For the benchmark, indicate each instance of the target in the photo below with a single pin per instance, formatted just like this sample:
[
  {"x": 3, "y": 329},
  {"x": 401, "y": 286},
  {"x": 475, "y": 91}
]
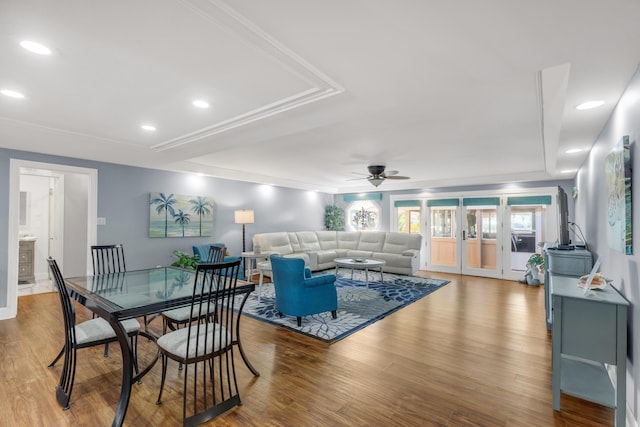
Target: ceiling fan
[{"x": 378, "y": 175}]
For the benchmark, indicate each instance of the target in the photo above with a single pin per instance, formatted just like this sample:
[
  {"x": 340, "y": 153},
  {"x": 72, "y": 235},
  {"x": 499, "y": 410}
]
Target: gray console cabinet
[
  {"x": 571, "y": 263},
  {"x": 589, "y": 332}
]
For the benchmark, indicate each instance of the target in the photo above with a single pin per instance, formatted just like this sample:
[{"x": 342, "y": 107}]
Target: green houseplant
[
  {"x": 537, "y": 261},
  {"x": 535, "y": 264},
  {"x": 184, "y": 260},
  {"x": 334, "y": 218}
]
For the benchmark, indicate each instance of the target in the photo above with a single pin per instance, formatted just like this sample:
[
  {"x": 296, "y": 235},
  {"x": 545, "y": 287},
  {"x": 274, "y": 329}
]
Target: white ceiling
[{"x": 305, "y": 93}]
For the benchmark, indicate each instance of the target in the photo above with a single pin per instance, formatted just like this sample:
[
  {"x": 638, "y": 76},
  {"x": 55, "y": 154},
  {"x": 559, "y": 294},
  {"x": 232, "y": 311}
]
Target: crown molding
[{"x": 321, "y": 85}]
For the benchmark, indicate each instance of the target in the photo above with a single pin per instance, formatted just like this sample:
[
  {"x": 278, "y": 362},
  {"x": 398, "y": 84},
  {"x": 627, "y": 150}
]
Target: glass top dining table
[{"x": 120, "y": 296}]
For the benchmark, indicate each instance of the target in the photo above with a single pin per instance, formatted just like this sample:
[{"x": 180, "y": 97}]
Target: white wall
[
  {"x": 591, "y": 216},
  {"x": 76, "y": 210}
]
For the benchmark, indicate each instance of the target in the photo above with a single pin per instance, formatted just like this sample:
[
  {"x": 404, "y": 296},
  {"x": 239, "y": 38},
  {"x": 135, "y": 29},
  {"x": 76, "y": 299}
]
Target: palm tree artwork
[
  {"x": 200, "y": 206},
  {"x": 164, "y": 203},
  {"x": 169, "y": 215},
  {"x": 182, "y": 219}
]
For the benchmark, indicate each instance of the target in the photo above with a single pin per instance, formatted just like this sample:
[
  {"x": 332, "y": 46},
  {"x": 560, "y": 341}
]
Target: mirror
[{"x": 24, "y": 209}]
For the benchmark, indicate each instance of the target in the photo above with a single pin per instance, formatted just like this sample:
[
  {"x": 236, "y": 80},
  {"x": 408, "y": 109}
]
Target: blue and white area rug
[{"x": 358, "y": 306}]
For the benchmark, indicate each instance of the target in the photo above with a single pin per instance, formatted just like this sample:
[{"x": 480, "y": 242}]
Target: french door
[
  {"x": 489, "y": 236},
  {"x": 464, "y": 236},
  {"x": 481, "y": 239}
]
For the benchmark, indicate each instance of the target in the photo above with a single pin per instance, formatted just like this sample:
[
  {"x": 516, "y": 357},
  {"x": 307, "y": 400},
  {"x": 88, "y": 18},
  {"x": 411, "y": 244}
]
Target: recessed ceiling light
[
  {"x": 568, "y": 171},
  {"x": 200, "y": 103},
  {"x": 589, "y": 105},
  {"x": 573, "y": 151},
  {"x": 11, "y": 93},
  {"x": 150, "y": 128},
  {"x": 34, "y": 47}
]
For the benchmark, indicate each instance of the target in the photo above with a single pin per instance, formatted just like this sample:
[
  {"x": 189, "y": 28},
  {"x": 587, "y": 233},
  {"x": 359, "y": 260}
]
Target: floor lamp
[{"x": 244, "y": 216}]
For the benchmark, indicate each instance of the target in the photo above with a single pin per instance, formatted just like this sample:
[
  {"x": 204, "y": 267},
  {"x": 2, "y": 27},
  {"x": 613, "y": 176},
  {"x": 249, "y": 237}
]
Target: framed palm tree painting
[
  {"x": 179, "y": 215},
  {"x": 619, "y": 203}
]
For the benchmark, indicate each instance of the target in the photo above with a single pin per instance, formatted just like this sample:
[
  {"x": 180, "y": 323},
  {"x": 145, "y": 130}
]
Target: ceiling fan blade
[
  {"x": 398, "y": 177},
  {"x": 390, "y": 173},
  {"x": 357, "y": 179}
]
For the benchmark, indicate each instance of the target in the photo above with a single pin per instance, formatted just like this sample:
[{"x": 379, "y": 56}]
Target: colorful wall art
[
  {"x": 618, "y": 180},
  {"x": 178, "y": 215}
]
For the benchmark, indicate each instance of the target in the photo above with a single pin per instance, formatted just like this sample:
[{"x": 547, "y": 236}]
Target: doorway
[
  {"x": 481, "y": 237},
  {"x": 40, "y": 230},
  {"x": 464, "y": 237},
  {"x": 482, "y": 233},
  {"x": 77, "y": 223}
]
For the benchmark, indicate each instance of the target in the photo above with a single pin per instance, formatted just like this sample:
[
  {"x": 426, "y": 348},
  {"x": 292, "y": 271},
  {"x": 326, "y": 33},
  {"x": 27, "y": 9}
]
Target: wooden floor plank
[{"x": 474, "y": 353}]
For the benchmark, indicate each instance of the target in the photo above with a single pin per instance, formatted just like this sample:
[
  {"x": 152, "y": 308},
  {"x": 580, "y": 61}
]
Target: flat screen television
[{"x": 563, "y": 218}]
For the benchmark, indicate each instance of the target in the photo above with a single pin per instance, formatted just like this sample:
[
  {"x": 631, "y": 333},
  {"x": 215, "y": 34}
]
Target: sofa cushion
[
  {"x": 326, "y": 256},
  {"x": 348, "y": 239},
  {"x": 301, "y": 255},
  {"x": 295, "y": 243},
  {"x": 359, "y": 254},
  {"x": 393, "y": 260},
  {"x": 328, "y": 239},
  {"x": 371, "y": 241},
  {"x": 397, "y": 243},
  {"x": 274, "y": 242},
  {"x": 309, "y": 241}
]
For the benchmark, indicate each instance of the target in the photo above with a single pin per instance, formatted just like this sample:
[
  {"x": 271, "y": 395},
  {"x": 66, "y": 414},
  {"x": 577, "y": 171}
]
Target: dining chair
[
  {"x": 108, "y": 259},
  {"x": 89, "y": 333},
  {"x": 204, "y": 347},
  {"x": 173, "y": 319}
]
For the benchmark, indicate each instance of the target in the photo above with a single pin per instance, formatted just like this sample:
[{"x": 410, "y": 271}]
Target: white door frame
[{"x": 11, "y": 310}]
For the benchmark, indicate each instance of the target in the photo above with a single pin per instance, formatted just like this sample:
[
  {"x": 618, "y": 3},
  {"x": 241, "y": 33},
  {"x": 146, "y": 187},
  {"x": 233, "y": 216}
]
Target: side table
[
  {"x": 250, "y": 260},
  {"x": 264, "y": 267}
]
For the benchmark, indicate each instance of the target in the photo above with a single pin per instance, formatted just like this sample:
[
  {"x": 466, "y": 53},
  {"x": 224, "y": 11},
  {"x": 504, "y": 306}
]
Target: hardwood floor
[{"x": 474, "y": 353}]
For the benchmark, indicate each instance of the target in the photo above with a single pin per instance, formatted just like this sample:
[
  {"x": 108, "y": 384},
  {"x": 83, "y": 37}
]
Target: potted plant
[
  {"x": 186, "y": 261},
  {"x": 334, "y": 218},
  {"x": 535, "y": 265}
]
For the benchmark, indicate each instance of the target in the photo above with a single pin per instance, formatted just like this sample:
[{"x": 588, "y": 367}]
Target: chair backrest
[
  {"x": 216, "y": 254},
  {"x": 214, "y": 302},
  {"x": 68, "y": 309},
  {"x": 286, "y": 270},
  {"x": 108, "y": 259}
]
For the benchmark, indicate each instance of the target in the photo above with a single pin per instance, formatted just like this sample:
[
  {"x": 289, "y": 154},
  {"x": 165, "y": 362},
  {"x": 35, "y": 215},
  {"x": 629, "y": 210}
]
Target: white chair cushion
[
  {"x": 99, "y": 329},
  {"x": 176, "y": 342},
  {"x": 182, "y": 314}
]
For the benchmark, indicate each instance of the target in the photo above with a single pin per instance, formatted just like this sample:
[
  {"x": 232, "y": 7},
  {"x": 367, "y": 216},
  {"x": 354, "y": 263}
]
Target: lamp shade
[{"x": 244, "y": 216}]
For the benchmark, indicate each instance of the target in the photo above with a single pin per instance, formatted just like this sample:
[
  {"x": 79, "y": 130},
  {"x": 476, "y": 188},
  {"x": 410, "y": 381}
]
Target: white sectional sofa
[{"x": 401, "y": 251}]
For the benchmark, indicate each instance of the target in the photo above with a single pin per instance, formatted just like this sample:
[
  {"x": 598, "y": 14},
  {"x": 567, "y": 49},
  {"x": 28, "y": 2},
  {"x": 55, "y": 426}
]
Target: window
[
  {"x": 489, "y": 224},
  {"x": 443, "y": 222},
  {"x": 408, "y": 220},
  {"x": 363, "y": 216}
]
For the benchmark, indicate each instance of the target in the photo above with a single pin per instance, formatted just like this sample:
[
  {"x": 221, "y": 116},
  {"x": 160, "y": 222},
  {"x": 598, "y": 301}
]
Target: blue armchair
[
  {"x": 203, "y": 252},
  {"x": 297, "y": 293}
]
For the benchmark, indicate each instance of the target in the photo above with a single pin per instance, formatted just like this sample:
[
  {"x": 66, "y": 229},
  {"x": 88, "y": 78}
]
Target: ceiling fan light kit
[
  {"x": 378, "y": 175},
  {"x": 376, "y": 181}
]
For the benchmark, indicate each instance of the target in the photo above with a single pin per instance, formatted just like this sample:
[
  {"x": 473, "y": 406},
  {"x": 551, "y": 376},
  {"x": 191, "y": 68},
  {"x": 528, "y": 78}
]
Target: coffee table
[{"x": 361, "y": 264}]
